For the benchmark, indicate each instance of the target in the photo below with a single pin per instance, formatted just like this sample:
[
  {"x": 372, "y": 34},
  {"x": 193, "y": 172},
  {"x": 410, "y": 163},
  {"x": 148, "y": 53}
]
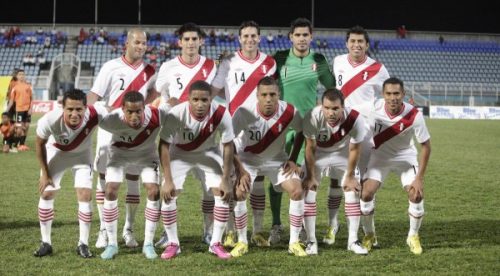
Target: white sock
[
  {"x": 296, "y": 214},
  {"x": 132, "y": 201},
  {"x": 367, "y": 218},
  {"x": 240, "y": 220},
  {"x": 353, "y": 215},
  {"x": 416, "y": 214},
  {"x": 230, "y": 220},
  {"x": 207, "y": 208},
  {"x": 310, "y": 215},
  {"x": 84, "y": 219},
  {"x": 221, "y": 214},
  {"x": 111, "y": 214},
  {"x": 169, "y": 216},
  {"x": 334, "y": 199},
  {"x": 258, "y": 204},
  {"x": 99, "y": 200},
  {"x": 152, "y": 215},
  {"x": 46, "y": 216}
]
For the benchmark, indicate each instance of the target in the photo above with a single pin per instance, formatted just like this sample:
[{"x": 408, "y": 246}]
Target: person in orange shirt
[
  {"x": 12, "y": 83},
  {"x": 21, "y": 95},
  {"x": 7, "y": 130}
]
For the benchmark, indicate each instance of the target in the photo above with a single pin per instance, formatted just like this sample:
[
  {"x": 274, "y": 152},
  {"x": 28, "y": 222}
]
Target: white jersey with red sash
[
  {"x": 117, "y": 77},
  {"x": 138, "y": 141},
  {"x": 393, "y": 134},
  {"x": 62, "y": 138},
  {"x": 263, "y": 138},
  {"x": 351, "y": 128},
  {"x": 191, "y": 134},
  {"x": 239, "y": 77},
  {"x": 175, "y": 76},
  {"x": 360, "y": 82}
]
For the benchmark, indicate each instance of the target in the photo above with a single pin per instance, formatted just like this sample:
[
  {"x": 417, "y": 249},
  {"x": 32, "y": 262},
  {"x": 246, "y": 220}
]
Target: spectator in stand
[
  {"x": 212, "y": 37},
  {"x": 47, "y": 42},
  {"x": 231, "y": 37},
  {"x": 402, "y": 32},
  {"x": 82, "y": 36},
  {"x": 270, "y": 38},
  {"x": 39, "y": 31},
  {"x": 17, "y": 31},
  {"x": 3, "y": 31},
  {"x": 441, "y": 40},
  {"x": 324, "y": 44}
]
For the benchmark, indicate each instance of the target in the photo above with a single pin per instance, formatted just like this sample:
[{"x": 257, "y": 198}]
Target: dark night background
[{"x": 473, "y": 16}]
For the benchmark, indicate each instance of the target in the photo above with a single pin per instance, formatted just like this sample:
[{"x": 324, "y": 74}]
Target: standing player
[
  {"x": 12, "y": 83},
  {"x": 333, "y": 144},
  {"x": 188, "y": 142},
  {"x": 116, "y": 78},
  {"x": 64, "y": 141},
  {"x": 237, "y": 77},
  {"x": 393, "y": 124},
  {"x": 134, "y": 128},
  {"x": 21, "y": 95},
  {"x": 299, "y": 70},
  {"x": 360, "y": 79},
  {"x": 174, "y": 80},
  {"x": 261, "y": 150},
  {"x": 7, "y": 131}
]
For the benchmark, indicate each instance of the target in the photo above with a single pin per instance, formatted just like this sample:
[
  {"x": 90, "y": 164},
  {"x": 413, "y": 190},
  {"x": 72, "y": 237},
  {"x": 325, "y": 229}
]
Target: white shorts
[
  {"x": 207, "y": 167},
  {"x": 146, "y": 164},
  {"x": 332, "y": 165},
  {"x": 273, "y": 170},
  {"x": 101, "y": 153},
  {"x": 81, "y": 165},
  {"x": 378, "y": 169}
]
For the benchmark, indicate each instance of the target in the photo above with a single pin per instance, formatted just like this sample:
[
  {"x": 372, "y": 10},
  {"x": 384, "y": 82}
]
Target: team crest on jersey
[
  {"x": 280, "y": 127},
  {"x": 314, "y": 67},
  {"x": 148, "y": 132},
  {"x": 365, "y": 75},
  {"x": 204, "y": 71},
  {"x": 145, "y": 76},
  {"x": 264, "y": 69},
  {"x": 87, "y": 131},
  {"x": 211, "y": 127}
]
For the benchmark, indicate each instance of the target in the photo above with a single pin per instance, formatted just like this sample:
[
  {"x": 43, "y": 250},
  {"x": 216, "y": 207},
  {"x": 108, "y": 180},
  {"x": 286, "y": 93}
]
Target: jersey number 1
[{"x": 241, "y": 78}]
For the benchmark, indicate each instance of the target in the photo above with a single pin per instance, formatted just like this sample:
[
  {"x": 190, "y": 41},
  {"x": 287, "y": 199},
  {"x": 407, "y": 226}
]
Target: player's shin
[
  {"x": 110, "y": 214},
  {"x": 46, "y": 216},
  {"x": 221, "y": 214},
  {"x": 296, "y": 215},
  {"x": 152, "y": 215},
  {"x": 310, "y": 215},
  {"x": 84, "y": 219},
  {"x": 169, "y": 216},
  {"x": 240, "y": 220},
  {"x": 353, "y": 215}
]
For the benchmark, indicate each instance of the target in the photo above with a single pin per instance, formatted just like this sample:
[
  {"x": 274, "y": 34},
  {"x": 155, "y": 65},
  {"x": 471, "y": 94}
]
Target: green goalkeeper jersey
[{"x": 299, "y": 76}]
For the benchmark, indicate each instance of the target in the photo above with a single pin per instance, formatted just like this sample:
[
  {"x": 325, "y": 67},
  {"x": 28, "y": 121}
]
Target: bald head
[{"x": 136, "y": 45}]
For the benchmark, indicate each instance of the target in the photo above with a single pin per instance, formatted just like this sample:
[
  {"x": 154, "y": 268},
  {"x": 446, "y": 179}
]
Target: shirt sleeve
[
  {"x": 297, "y": 121},
  {"x": 220, "y": 78},
  {"x": 169, "y": 128},
  {"x": 421, "y": 132},
  {"x": 358, "y": 131},
  {"x": 161, "y": 83},
  {"x": 227, "y": 134},
  {"x": 310, "y": 126},
  {"x": 43, "y": 127},
  {"x": 102, "y": 82},
  {"x": 325, "y": 76}
]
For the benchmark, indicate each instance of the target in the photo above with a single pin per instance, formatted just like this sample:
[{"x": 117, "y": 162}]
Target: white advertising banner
[{"x": 464, "y": 112}]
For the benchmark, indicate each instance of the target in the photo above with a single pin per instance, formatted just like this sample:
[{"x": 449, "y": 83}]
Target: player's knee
[
  {"x": 112, "y": 190},
  {"x": 153, "y": 192},
  {"x": 296, "y": 193},
  {"x": 367, "y": 207},
  {"x": 416, "y": 209},
  {"x": 48, "y": 195},
  {"x": 239, "y": 194},
  {"x": 415, "y": 197}
]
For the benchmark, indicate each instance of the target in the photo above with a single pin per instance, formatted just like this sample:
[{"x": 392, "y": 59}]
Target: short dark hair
[
  {"x": 75, "y": 94},
  {"x": 357, "y": 30},
  {"x": 200, "y": 85},
  {"x": 190, "y": 27},
  {"x": 394, "y": 80},
  {"x": 301, "y": 22},
  {"x": 249, "y": 23},
  {"x": 267, "y": 80},
  {"x": 333, "y": 94},
  {"x": 133, "y": 97}
]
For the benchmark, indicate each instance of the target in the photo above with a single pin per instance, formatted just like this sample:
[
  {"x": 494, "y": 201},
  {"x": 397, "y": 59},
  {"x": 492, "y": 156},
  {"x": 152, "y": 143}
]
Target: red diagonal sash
[
  {"x": 136, "y": 85},
  {"x": 274, "y": 132},
  {"x": 86, "y": 131},
  {"x": 154, "y": 122},
  {"x": 396, "y": 128},
  {"x": 209, "y": 128},
  {"x": 343, "y": 130},
  {"x": 360, "y": 78},
  {"x": 250, "y": 84},
  {"x": 202, "y": 74}
]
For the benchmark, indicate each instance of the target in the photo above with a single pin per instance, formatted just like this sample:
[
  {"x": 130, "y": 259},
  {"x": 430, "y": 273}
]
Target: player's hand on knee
[
  {"x": 351, "y": 184},
  {"x": 289, "y": 168},
  {"x": 167, "y": 191},
  {"x": 44, "y": 182},
  {"x": 310, "y": 183},
  {"x": 416, "y": 190}
]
